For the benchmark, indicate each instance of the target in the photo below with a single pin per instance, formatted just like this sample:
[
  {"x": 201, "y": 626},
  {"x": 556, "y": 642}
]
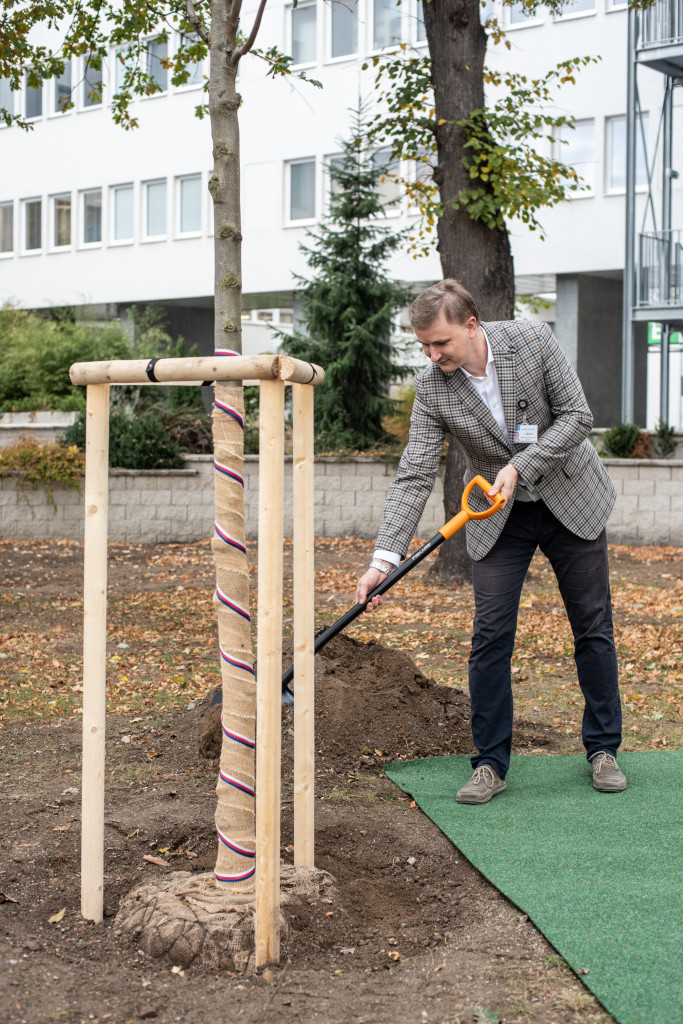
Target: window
[
  {"x": 616, "y": 152},
  {"x": 157, "y": 52},
  {"x": 421, "y": 34},
  {"x": 518, "y": 14},
  {"x": 578, "y": 7},
  {"x": 92, "y": 84},
  {"x": 122, "y": 206},
  {"x": 333, "y": 187},
  {"x": 386, "y": 23},
  {"x": 302, "y": 190},
  {"x": 92, "y": 217},
  {"x": 34, "y": 101},
  {"x": 33, "y": 224},
  {"x": 388, "y": 189},
  {"x": 190, "y": 202},
  {"x": 578, "y": 150},
  {"x": 63, "y": 89},
  {"x": 195, "y": 70},
  {"x": 422, "y": 173},
  {"x": 124, "y": 60},
  {"x": 6, "y": 227},
  {"x": 61, "y": 221},
  {"x": 304, "y": 29},
  {"x": 344, "y": 29},
  {"x": 155, "y": 209},
  {"x": 6, "y": 96}
]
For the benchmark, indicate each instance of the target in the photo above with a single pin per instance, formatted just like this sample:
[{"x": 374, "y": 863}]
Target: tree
[
  {"x": 349, "y": 305},
  {"x": 487, "y": 169},
  {"x": 90, "y": 28}
]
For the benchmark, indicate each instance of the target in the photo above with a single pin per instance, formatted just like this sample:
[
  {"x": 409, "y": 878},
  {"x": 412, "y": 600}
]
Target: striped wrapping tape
[
  {"x": 237, "y": 736},
  {"x": 232, "y": 541},
  {"x": 229, "y": 410},
  {"x": 232, "y": 605},
  {"x": 226, "y": 471},
  {"x": 243, "y": 852},
  {"x": 230, "y": 780},
  {"x": 226, "y": 352},
  {"x": 235, "y": 662}
]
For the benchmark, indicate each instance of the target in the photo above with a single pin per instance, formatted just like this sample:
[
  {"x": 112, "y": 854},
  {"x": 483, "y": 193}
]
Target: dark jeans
[{"x": 583, "y": 577}]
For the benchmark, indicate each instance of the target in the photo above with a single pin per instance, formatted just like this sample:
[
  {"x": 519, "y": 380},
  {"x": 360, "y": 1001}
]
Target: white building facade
[{"x": 92, "y": 215}]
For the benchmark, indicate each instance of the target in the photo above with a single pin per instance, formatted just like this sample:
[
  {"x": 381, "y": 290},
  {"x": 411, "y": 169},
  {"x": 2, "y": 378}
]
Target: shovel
[{"x": 443, "y": 534}]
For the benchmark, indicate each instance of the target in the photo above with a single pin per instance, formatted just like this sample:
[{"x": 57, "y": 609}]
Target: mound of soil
[{"x": 372, "y": 704}]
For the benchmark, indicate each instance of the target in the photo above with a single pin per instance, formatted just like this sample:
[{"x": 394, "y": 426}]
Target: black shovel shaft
[{"x": 358, "y": 609}]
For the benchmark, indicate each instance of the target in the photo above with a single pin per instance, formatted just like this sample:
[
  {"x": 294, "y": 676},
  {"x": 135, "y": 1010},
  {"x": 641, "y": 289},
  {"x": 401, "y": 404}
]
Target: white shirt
[{"x": 488, "y": 389}]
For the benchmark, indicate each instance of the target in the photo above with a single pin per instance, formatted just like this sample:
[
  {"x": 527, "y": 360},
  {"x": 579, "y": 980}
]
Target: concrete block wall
[
  {"x": 168, "y": 506},
  {"x": 649, "y": 506}
]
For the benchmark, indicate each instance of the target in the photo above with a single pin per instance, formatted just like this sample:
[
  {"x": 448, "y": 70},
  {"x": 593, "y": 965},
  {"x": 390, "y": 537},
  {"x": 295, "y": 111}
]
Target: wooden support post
[
  {"x": 304, "y": 626},
  {"x": 269, "y": 670},
  {"x": 94, "y": 649}
]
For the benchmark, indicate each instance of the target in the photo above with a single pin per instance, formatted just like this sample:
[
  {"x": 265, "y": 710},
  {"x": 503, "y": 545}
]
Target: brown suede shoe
[
  {"x": 607, "y": 777},
  {"x": 483, "y": 785}
]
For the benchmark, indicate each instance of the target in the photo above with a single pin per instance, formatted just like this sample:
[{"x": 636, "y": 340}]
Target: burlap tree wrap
[{"x": 235, "y": 814}]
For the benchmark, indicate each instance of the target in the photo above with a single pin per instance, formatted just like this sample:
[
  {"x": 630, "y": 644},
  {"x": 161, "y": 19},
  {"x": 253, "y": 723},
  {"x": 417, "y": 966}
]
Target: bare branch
[
  {"x": 246, "y": 47},
  {"x": 196, "y": 22}
]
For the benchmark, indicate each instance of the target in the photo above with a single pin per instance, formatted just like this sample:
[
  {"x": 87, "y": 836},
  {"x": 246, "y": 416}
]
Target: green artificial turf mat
[{"x": 600, "y": 874}]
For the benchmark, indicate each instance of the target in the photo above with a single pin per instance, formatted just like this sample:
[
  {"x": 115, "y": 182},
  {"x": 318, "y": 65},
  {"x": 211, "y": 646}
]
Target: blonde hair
[{"x": 447, "y": 297}]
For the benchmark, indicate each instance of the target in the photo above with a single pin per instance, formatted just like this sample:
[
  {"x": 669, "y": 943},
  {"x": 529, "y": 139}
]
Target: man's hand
[
  {"x": 368, "y": 582},
  {"x": 504, "y": 484}
]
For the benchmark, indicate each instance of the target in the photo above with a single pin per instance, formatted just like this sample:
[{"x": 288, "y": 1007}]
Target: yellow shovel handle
[{"x": 454, "y": 524}]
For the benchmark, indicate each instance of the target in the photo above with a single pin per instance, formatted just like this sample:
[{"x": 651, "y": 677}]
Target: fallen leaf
[
  {"x": 583, "y": 970},
  {"x": 56, "y": 918},
  {"x": 394, "y": 955},
  {"x": 62, "y": 828},
  {"x": 413, "y": 805},
  {"x": 352, "y": 949},
  {"x": 159, "y": 861},
  {"x": 4, "y": 897},
  {"x": 330, "y": 913}
]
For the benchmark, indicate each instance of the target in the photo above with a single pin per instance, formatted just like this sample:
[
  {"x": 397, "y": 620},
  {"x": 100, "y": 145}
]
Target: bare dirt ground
[{"x": 416, "y": 935}]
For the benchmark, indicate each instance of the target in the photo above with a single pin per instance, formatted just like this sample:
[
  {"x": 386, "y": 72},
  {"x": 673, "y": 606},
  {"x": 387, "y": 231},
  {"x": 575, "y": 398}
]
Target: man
[{"x": 512, "y": 400}]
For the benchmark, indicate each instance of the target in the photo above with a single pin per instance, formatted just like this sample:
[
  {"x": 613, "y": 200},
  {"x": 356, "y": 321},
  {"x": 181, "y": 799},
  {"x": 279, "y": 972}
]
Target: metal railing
[
  {"x": 661, "y": 24},
  {"x": 659, "y": 271}
]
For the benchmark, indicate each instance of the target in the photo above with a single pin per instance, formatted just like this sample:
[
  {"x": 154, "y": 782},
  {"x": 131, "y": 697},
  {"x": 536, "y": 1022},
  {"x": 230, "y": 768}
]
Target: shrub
[
  {"x": 34, "y": 462},
  {"x": 664, "y": 440},
  {"x": 36, "y": 353},
  {"x": 620, "y": 440},
  {"x": 135, "y": 442},
  {"x": 191, "y": 430}
]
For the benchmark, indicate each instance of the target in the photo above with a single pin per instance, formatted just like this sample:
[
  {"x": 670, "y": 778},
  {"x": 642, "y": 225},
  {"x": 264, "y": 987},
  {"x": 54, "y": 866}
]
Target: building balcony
[
  {"x": 659, "y": 276},
  {"x": 660, "y": 37}
]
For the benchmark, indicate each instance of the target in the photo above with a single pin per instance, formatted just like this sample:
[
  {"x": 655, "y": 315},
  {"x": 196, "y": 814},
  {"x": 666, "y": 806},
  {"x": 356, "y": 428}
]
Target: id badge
[{"x": 526, "y": 433}]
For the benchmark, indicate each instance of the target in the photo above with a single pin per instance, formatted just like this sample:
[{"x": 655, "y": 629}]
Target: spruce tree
[{"x": 349, "y": 304}]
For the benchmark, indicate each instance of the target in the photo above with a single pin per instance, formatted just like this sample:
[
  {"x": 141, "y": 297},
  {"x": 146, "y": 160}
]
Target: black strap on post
[{"x": 149, "y": 370}]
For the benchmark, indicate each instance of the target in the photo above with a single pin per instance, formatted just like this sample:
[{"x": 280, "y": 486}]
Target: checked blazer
[{"x": 562, "y": 466}]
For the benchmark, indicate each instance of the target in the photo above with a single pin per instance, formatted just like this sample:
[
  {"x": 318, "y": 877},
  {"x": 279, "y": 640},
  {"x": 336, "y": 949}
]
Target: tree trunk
[
  {"x": 235, "y": 817},
  {"x": 477, "y": 256}
]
